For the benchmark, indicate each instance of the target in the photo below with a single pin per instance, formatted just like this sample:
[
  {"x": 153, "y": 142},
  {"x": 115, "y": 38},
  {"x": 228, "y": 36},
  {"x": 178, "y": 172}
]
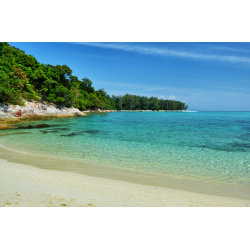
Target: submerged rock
[
  {"x": 73, "y": 134},
  {"x": 42, "y": 125},
  {"x": 26, "y": 127},
  {"x": 91, "y": 131}
]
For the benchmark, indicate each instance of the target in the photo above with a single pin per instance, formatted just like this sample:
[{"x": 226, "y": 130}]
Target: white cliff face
[{"x": 8, "y": 111}]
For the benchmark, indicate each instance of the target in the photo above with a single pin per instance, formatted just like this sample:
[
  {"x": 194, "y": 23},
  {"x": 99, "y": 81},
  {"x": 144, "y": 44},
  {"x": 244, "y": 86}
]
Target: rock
[
  {"x": 19, "y": 113},
  {"x": 5, "y": 115},
  {"x": 5, "y": 126},
  {"x": 2, "y": 114},
  {"x": 42, "y": 125},
  {"x": 26, "y": 127},
  {"x": 27, "y": 110},
  {"x": 32, "y": 115},
  {"x": 3, "y": 107},
  {"x": 43, "y": 107},
  {"x": 37, "y": 110}
]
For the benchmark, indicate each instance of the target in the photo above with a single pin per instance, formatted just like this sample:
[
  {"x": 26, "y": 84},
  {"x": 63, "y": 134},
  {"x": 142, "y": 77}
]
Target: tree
[
  {"x": 153, "y": 103},
  {"x": 118, "y": 101},
  {"x": 144, "y": 102},
  {"x": 3, "y": 45},
  {"x": 86, "y": 85},
  {"x": 26, "y": 60}
]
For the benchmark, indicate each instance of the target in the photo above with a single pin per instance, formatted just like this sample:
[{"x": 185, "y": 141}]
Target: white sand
[{"x": 27, "y": 186}]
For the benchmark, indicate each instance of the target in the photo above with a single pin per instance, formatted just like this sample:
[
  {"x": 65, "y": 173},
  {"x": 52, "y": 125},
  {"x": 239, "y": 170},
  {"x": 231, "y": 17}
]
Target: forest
[
  {"x": 133, "y": 102},
  {"x": 22, "y": 78}
]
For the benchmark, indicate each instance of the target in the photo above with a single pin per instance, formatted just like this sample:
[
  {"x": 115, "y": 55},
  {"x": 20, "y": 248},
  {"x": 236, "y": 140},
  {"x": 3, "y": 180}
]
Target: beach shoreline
[
  {"x": 159, "y": 185},
  {"x": 24, "y": 185}
]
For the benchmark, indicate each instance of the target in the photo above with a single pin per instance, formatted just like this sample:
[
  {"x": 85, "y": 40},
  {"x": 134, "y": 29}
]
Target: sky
[{"x": 206, "y": 76}]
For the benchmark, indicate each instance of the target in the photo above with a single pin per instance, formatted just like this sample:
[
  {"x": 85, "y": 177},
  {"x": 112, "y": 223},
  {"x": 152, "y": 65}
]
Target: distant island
[{"x": 23, "y": 78}]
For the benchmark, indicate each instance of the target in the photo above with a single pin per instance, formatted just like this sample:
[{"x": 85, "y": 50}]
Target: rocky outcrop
[
  {"x": 10, "y": 114},
  {"x": 35, "y": 109}
]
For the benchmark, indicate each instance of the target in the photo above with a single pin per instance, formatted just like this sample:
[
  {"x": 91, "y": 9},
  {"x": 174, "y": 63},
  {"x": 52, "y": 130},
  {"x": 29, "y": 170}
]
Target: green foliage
[
  {"x": 133, "y": 102},
  {"x": 2, "y": 47},
  {"x": 25, "y": 60},
  {"x": 23, "y": 77}
]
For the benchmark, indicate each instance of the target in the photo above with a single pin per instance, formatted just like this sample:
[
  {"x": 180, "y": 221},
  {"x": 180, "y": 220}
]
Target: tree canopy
[{"x": 134, "y": 102}]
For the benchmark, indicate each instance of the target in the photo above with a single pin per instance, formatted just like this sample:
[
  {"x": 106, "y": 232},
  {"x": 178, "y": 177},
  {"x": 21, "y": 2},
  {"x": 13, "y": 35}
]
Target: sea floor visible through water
[{"x": 207, "y": 152}]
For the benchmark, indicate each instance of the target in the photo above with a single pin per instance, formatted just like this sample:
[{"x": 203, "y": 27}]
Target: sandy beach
[{"x": 27, "y": 186}]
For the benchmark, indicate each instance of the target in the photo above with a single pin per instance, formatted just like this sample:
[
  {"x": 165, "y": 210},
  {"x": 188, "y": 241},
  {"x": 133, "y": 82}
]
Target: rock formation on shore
[{"x": 36, "y": 109}]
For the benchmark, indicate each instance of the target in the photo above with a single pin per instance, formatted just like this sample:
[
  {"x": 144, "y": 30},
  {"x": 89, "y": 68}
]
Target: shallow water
[{"x": 210, "y": 146}]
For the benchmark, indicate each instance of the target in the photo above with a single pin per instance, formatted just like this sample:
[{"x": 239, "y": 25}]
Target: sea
[{"x": 182, "y": 147}]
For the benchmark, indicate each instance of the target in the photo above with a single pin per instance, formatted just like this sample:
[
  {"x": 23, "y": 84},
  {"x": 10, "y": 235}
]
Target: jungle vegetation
[{"x": 22, "y": 78}]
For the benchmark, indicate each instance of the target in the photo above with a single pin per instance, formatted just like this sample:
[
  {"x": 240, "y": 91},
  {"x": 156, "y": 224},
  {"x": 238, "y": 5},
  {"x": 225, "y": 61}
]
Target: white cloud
[
  {"x": 172, "y": 97},
  {"x": 168, "y": 52},
  {"x": 162, "y": 95}
]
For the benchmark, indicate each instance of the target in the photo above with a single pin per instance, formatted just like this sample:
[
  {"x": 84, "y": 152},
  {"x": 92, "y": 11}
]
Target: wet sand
[{"x": 23, "y": 185}]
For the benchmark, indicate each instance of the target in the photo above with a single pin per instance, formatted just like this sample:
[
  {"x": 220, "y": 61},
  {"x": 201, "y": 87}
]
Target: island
[{"x": 31, "y": 89}]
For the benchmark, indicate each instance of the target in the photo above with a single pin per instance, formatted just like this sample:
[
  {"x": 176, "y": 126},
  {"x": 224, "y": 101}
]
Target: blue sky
[{"x": 206, "y": 76}]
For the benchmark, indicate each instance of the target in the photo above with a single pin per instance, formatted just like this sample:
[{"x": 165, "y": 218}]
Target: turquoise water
[{"x": 212, "y": 146}]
